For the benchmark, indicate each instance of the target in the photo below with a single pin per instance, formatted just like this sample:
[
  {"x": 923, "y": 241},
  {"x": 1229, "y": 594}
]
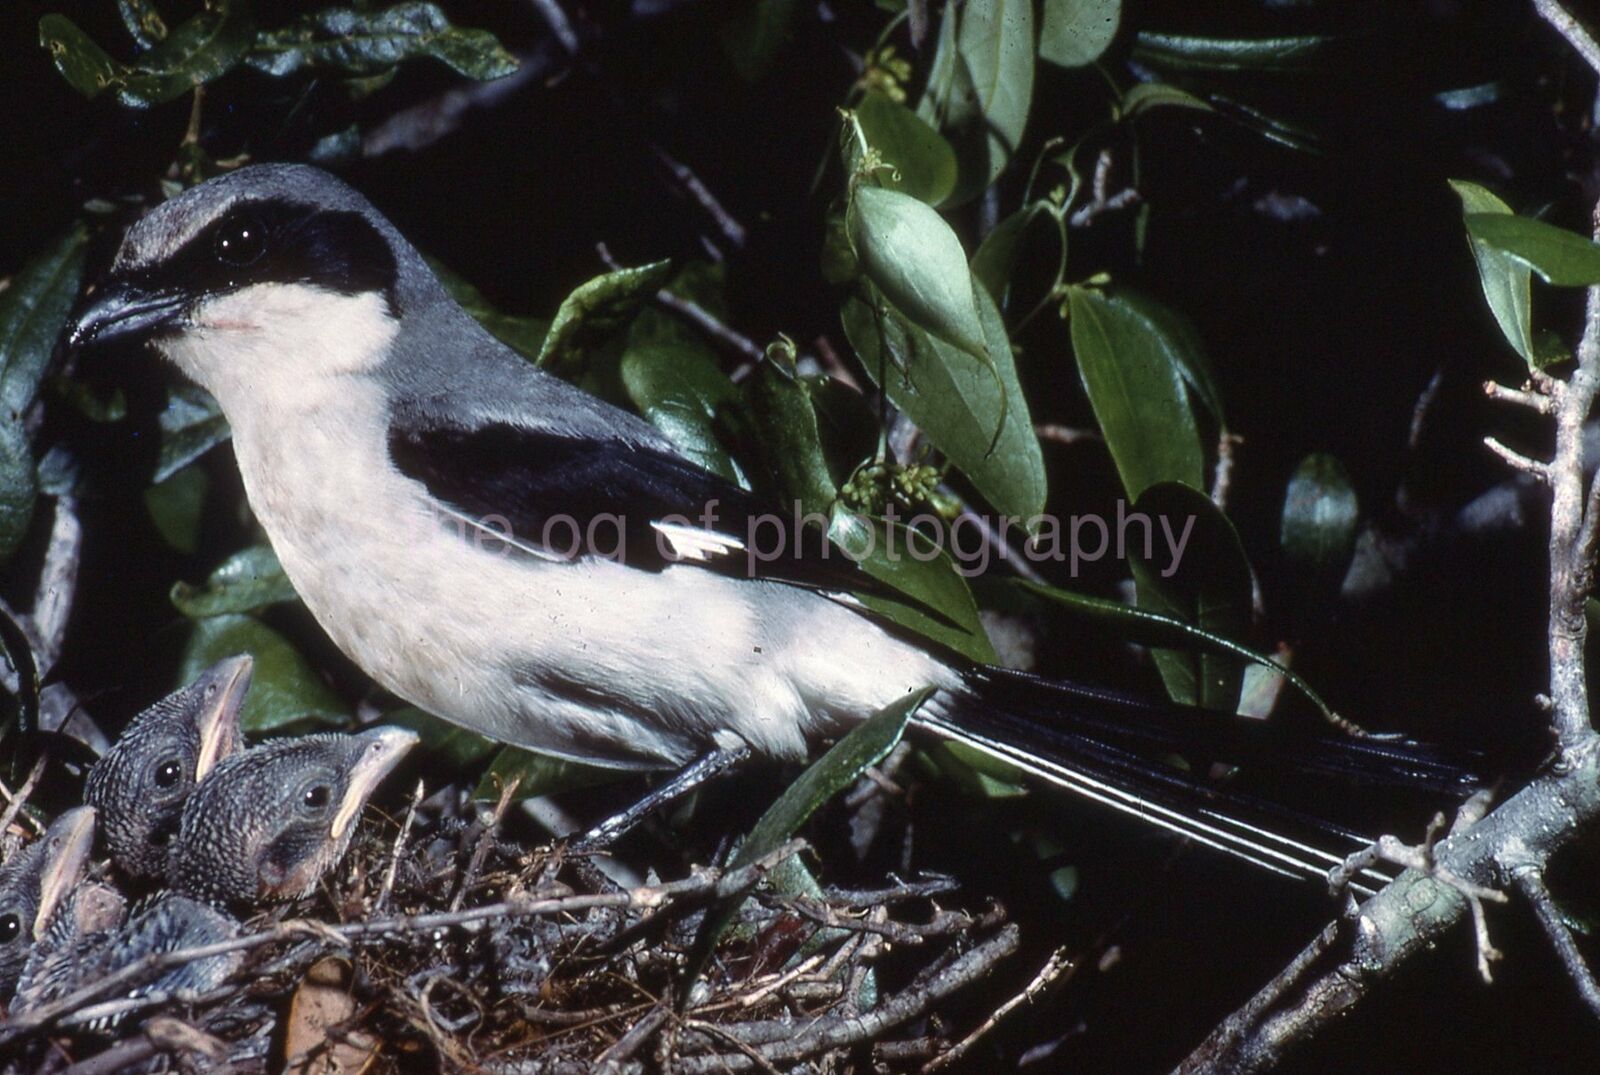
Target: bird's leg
[{"x": 717, "y": 760}]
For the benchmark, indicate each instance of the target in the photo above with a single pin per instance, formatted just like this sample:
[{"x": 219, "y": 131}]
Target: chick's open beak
[
  {"x": 381, "y": 750},
  {"x": 68, "y": 843},
  {"x": 218, "y": 720}
]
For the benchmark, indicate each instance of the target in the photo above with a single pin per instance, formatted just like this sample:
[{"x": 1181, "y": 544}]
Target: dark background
[{"x": 1324, "y": 329}]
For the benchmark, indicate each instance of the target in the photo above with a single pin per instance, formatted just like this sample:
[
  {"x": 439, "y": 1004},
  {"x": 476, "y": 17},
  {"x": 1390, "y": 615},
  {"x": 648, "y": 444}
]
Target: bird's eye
[
  {"x": 168, "y": 773},
  {"x": 318, "y": 796},
  {"x": 10, "y": 928},
  {"x": 241, "y": 241}
]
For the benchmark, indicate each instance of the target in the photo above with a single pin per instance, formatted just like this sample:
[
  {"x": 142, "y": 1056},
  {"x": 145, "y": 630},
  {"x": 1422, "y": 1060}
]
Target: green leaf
[
  {"x": 1507, "y": 283},
  {"x": 450, "y": 746},
  {"x": 175, "y": 505},
  {"x": 1075, "y": 32},
  {"x": 1137, "y": 392},
  {"x": 677, "y": 385},
  {"x": 924, "y": 165},
  {"x": 284, "y": 689},
  {"x": 938, "y": 602},
  {"x": 1559, "y": 256},
  {"x": 200, "y": 50},
  {"x": 18, "y": 486},
  {"x": 997, "y": 254},
  {"x": 974, "y": 413},
  {"x": 1186, "y": 53},
  {"x": 1318, "y": 529},
  {"x": 755, "y": 32},
  {"x": 32, "y": 311},
  {"x": 1149, "y": 95},
  {"x": 910, "y": 253},
  {"x": 789, "y": 436},
  {"x": 248, "y": 581},
  {"x": 1176, "y": 335},
  {"x": 862, "y": 747},
  {"x": 539, "y": 774},
  {"x": 1148, "y": 628},
  {"x": 980, "y": 86},
  {"x": 525, "y": 335},
  {"x": 191, "y": 425},
  {"x": 1208, "y": 586},
  {"x": 976, "y": 772},
  {"x": 143, "y": 22},
  {"x": 597, "y": 309},
  {"x": 365, "y": 43}
]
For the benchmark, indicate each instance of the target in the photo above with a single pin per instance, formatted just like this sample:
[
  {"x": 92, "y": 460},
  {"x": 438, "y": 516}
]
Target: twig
[
  {"x": 1569, "y": 27},
  {"x": 480, "y": 852},
  {"x": 394, "y": 853},
  {"x": 702, "y": 884},
  {"x": 58, "y": 583},
  {"x": 1054, "y": 967},
  {"x": 1060, "y": 434},
  {"x": 1222, "y": 475},
  {"x": 21, "y": 796},
  {"x": 1521, "y": 397},
  {"x": 733, "y": 231},
  {"x": 1518, "y": 461},
  {"x": 1530, "y": 882},
  {"x": 706, "y": 322},
  {"x": 559, "y": 24}
]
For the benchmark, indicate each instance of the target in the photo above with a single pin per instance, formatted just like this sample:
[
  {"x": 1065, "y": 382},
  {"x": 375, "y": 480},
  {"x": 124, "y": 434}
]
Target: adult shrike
[{"x": 410, "y": 470}]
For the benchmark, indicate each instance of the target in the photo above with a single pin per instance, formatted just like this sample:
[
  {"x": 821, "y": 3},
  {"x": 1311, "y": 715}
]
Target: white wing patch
[{"x": 695, "y": 543}]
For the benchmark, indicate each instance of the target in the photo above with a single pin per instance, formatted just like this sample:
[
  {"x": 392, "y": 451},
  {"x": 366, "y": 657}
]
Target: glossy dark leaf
[
  {"x": 33, "y": 309},
  {"x": 1137, "y": 391},
  {"x": 1320, "y": 512},
  {"x": 790, "y": 438},
  {"x": 972, "y": 412},
  {"x": 996, "y": 257},
  {"x": 1559, "y": 256},
  {"x": 1146, "y": 96},
  {"x": 197, "y": 51},
  {"x": 1190, "y": 53},
  {"x": 920, "y": 162},
  {"x": 996, "y": 40},
  {"x": 1208, "y": 585},
  {"x": 598, "y": 309},
  {"x": 1176, "y": 335},
  {"x": 1147, "y": 628},
  {"x": 938, "y": 603},
  {"x": 444, "y": 744},
  {"x": 677, "y": 385},
  {"x": 284, "y": 689},
  {"x": 1075, "y": 32},
  {"x": 191, "y": 425},
  {"x": 365, "y": 43},
  {"x": 248, "y": 581},
  {"x": 18, "y": 485},
  {"x": 143, "y": 22}
]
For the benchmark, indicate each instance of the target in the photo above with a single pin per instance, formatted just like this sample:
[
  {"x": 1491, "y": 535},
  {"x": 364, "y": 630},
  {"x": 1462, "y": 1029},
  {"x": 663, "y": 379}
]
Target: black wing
[{"x": 565, "y": 497}]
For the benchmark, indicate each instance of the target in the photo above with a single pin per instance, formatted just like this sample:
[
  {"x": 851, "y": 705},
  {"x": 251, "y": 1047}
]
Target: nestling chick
[
  {"x": 67, "y": 955},
  {"x": 34, "y": 883},
  {"x": 139, "y": 787},
  {"x": 268, "y": 823}
]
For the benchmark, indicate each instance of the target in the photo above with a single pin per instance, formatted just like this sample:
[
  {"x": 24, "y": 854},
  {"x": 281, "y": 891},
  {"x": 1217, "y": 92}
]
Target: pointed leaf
[
  {"x": 1506, "y": 282},
  {"x": 677, "y": 386},
  {"x": 191, "y": 425},
  {"x": 789, "y": 436},
  {"x": 1076, "y": 32},
  {"x": 924, "y": 165},
  {"x": 974, "y": 413},
  {"x": 598, "y": 309},
  {"x": 1208, "y": 586},
  {"x": 1137, "y": 392},
  {"x": 1187, "y": 53},
  {"x": 997, "y": 44},
  {"x": 910, "y": 253},
  {"x": 1176, "y": 335},
  {"x": 248, "y": 581},
  {"x": 33, "y": 310},
  {"x": 1561, "y": 257},
  {"x": 755, "y": 32},
  {"x": 525, "y": 335},
  {"x": 1318, "y": 530},
  {"x": 938, "y": 602},
  {"x": 997, "y": 254},
  {"x": 1149, "y": 95},
  {"x": 539, "y": 774}
]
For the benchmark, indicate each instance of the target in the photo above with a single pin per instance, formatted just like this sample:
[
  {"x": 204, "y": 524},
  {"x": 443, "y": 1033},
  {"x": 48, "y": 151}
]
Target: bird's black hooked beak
[{"x": 121, "y": 310}]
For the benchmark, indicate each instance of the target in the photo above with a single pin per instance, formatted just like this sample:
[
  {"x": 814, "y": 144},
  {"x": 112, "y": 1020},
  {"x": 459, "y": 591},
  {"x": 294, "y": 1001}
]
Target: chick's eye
[
  {"x": 168, "y": 773},
  {"x": 10, "y": 928},
  {"x": 241, "y": 241},
  {"x": 317, "y": 797}
]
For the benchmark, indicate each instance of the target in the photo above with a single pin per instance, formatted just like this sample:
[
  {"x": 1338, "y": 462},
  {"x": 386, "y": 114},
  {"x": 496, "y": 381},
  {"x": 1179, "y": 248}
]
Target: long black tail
[{"x": 1110, "y": 748}]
